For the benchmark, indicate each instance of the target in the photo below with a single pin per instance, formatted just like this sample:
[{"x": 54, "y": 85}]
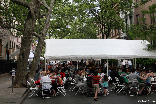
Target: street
[{"x": 112, "y": 98}]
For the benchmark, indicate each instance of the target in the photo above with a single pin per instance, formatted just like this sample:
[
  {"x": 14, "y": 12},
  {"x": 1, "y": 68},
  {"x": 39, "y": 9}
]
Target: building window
[
  {"x": 0, "y": 47},
  {"x": 14, "y": 45},
  {"x": 10, "y": 44},
  {"x": 151, "y": 18},
  {"x": 143, "y": 15},
  {"x": 115, "y": 32},
  {"x": 130, "y": 17},
  {"x": 137, "y": 19}
]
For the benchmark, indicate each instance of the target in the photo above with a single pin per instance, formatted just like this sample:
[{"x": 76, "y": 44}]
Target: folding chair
[
  {"x": 133, "y": 85},
  {"x": 61, "y": 89},
  {"x": 73, "y": 85},
  {"x": 153, "y": 84},
  {"x": 120, "y": 86},
  {"x": 34, "y": 88},
  {"x": 114, "y": 83},
  {"x": 80, "y": 86}
]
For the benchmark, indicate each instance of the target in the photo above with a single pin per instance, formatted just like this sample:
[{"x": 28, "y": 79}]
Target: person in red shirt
[
  {"x": 95, "y": 84},
  {"x": 62, "y": 74}
]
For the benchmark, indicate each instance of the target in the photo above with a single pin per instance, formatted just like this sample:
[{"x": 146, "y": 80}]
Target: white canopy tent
[{"x": 77, "y": 49}]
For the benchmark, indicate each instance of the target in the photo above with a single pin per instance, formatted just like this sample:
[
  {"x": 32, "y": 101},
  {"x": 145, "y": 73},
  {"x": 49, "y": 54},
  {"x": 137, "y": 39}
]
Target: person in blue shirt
[
  {"x": 105, "y": 84},
  {"x": 137, "y": 72}
]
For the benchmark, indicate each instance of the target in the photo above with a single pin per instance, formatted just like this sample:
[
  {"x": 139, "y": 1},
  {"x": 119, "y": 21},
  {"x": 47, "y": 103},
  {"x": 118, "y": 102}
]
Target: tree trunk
[
  {"x": 41, "y": 41},
  {"x": 36, "y": 58},
  {"x": 21, "y": 72}
]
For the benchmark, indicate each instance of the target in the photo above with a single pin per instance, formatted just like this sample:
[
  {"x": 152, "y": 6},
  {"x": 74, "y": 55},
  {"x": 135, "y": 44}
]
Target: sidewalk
[{"x": 6, "y": 95}]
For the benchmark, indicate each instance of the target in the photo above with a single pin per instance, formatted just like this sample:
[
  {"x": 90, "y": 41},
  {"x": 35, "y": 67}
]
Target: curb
[{"x": 20, "y": 101}]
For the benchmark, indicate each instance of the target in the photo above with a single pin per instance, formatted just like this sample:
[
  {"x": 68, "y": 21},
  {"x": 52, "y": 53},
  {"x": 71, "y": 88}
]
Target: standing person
[
  {"x": 95, "y": 84},
  {"x": 101, "y": 74},
  {"x": 105, "y": 65},
  {"x": 105, "y": 84},
  {"x": 130, "y": 64},
  {"x": 124, "y": 64}
]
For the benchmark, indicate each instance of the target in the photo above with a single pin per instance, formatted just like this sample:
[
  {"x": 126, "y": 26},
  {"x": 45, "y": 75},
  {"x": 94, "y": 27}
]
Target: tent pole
[
  {"x": 135, "y": 63},
  {"x": 87, "y": 61},
  {"x": 77, "y": 65},
  {"x": 45, "y": 64},
  {"x": 107, "y": 67}
]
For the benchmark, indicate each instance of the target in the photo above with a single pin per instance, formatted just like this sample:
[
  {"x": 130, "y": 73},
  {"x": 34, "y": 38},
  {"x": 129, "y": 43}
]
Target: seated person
[
  {"x": 137, "y": 72},
  {"x": 53, "y": 78},
  {"x": 45, "y": 78},
  {"x": 37, "y": 75},
  {"x": 124, "y": 71},
  {"x": 147, "y": 77},
  {"x": 78, "y": 77},
  {"x": 133, "y": 78},
  {"x": 83, "y": 72},
  {"x": 48, "y": 72},
  {"x": 62, "y": 74},
  {"x": 38, "y": 82},
  {"x": 79, "y": 80},
  {"x": 114, "y": 74},
  {"x": 59, "y": 81}
]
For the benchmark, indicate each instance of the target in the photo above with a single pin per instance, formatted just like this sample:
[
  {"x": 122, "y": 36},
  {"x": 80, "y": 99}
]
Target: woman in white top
[{"x": 45, "y": 78}]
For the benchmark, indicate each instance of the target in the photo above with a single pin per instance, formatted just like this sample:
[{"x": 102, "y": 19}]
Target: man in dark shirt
[{"x": 114, "y": 74}]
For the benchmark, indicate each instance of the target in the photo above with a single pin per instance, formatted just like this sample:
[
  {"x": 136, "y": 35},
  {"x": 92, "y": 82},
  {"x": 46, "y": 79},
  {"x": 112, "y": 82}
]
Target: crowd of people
[{"x": 56, "y": 73}]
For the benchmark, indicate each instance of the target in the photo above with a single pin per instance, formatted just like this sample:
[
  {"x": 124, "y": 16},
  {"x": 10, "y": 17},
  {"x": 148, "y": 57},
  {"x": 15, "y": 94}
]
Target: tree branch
[
  {"x": 21, "y": 2},
  {"x": 48, "y": 16},
  {"x": 45, "y": 4},
  {"x": 51, "y": 4},
  {"x": 35, "y": 34}
]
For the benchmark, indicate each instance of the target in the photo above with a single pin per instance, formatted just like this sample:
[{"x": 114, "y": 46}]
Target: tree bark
[
  {"x": 36, "y": 58},
  {"x": 29, "y": 28}
]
